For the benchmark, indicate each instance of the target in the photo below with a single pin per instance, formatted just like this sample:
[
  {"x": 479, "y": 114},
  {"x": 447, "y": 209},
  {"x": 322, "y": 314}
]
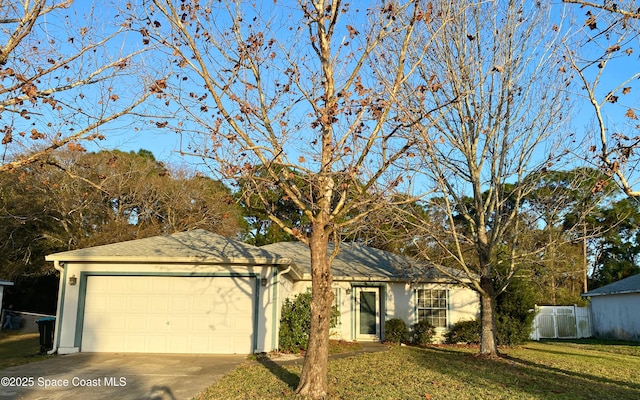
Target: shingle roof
[
  {"x": 195, "y": 245},
  {"x": 626, "y": 285},
  {"x": 359, "y": 262}
]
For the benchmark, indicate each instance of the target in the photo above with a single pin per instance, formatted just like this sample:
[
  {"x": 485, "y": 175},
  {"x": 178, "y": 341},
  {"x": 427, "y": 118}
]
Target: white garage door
[{"x": 154, "y": 314}]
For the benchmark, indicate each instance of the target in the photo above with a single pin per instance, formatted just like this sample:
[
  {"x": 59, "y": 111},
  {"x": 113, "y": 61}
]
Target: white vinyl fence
[{"x": 561, "y": 322}]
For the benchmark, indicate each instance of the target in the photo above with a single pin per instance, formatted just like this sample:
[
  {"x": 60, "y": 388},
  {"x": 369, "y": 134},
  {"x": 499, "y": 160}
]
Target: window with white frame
[{"x": 432, "y": 306}]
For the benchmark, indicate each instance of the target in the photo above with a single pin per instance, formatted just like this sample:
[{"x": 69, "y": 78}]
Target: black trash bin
[{"x": 45, "y": 327}]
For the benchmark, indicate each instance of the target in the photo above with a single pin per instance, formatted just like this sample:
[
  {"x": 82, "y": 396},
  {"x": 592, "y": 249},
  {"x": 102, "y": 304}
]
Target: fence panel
[{"x": 561, "y": 322}]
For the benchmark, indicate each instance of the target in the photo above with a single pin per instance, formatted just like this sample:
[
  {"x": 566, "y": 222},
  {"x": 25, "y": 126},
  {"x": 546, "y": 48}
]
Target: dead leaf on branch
[
  {"x": 158, "y": 86},
  {"x": 122, "y": 64},
  {"x": 35, "y": 135},
  {"x": 29, "y": 89},
  {"x": 75, "y": 147},
  {"x": 8, "y": 138},
  {"x": 599, "y": 186},
  {"x": 591, "y": 21},
  {"x": 630, "y": 114},
  {"x": 352, "y": 31},
  {"x": 615, "y": 166},
  {"x": 613, "y": 49}
]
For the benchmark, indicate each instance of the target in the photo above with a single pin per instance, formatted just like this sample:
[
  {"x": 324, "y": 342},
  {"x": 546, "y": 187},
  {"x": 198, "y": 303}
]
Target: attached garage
[
  {"x": 191, "y": 292},
  {"x": 168, "y": 314}
]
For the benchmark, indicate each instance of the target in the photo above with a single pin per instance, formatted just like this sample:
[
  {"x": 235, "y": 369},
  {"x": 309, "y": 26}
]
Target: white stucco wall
[
  {"x": 65, "y": 340},
  {"x": 616, "y": 316}
]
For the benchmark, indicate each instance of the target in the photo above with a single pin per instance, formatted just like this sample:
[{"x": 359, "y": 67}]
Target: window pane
[
  {"x": 368, "y": 313},
  {"x": 432, "y": 306}
]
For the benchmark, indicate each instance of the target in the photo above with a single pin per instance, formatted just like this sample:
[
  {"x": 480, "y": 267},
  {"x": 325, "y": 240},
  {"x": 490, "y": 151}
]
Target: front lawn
[
  {"x": 551, "y": 370},
  {"x": 19, "y": 348}
]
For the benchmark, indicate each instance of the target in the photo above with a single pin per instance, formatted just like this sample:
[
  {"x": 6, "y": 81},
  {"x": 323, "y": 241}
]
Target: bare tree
[
  {"x": 289, "y": 90},
  {"x": 496, "y": 66},
  {"x": 603, "y": 60},
  {"x": 64, "y": 79}
]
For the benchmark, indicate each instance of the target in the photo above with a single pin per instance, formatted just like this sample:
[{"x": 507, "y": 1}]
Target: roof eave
[
  {"x": 608, "y": 293},
  {"x": 147, "y": 259},
  {"x": 307, "y": 277}
]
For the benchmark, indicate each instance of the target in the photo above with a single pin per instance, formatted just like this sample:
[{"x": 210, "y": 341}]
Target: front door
[{"x": 367, "y": 313}]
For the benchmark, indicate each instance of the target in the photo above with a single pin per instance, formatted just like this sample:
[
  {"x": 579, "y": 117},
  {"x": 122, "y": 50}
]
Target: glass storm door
[{"x": 367, "y": 313}]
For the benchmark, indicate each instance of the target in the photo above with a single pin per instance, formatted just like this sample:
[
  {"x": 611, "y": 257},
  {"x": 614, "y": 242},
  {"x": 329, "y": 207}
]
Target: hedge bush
[
  {"x": 422, "y": 333},
  {"x": 395, "y": 331},
  {"x": 464, "y": 332},
  {"x": 295, "y": 323}
]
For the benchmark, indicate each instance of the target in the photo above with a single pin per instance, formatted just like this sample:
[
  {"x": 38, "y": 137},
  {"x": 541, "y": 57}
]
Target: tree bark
[
  {"x": 313, "y": 378},
  {"x": 488, "y": 339}
]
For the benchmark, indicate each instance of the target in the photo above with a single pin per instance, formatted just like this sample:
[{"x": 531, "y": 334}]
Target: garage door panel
[
  {"x": 135, "y": 304},
  {"x": 180, "y": 303},
  {"x": 116, "y": 302},
  {"x": 133, "y": 342},
  {"x": 168, "y": 314},
  {"x": 158, "y": 304}
]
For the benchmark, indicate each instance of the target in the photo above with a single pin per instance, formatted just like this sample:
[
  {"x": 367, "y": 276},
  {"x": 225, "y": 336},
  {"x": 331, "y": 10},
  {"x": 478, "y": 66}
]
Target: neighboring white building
[
  {"x": 615, "y": 309},
  {"x": 197, "y": 292},
  {"x": 2, "y": 285}
]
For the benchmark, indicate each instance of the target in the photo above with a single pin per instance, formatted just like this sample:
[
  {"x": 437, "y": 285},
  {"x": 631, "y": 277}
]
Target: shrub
[
  {"x": 513, "y": 319},
  {"x": 464, "y": 332},
  {"x": 295, "y": 323},
  {"x": 422, "y": 333},
  {"x": 395, "y": 331}
]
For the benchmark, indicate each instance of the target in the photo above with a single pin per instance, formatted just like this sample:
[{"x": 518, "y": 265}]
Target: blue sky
[{"x": 165, "y": 145}]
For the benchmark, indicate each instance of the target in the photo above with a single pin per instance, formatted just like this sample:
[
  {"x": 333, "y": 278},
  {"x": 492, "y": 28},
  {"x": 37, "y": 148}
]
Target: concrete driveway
[{"x": 116, "y": 376}]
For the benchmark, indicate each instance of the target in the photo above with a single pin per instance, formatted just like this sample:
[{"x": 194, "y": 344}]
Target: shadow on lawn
[
  {"x": 523, "y": 375},
  {"x": 599, "y": 354},
  {"x": 280, "y": 372},
  {"x": 591, "y": 378},
  {"x": 590, "y": 341}
]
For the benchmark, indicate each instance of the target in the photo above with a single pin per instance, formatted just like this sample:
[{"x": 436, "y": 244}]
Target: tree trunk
[
  {"x": 488, "y": 339},
  {"x": 313, "y": 379}
]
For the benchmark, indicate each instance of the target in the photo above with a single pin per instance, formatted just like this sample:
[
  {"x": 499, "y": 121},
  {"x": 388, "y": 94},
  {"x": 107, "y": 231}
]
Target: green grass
[
  {"x": 19, "y": 348},
  {"x": 549, "y": 370}
]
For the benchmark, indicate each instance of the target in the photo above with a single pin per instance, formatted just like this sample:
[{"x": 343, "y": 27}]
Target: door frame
[{"x": 357, "y": 292}]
